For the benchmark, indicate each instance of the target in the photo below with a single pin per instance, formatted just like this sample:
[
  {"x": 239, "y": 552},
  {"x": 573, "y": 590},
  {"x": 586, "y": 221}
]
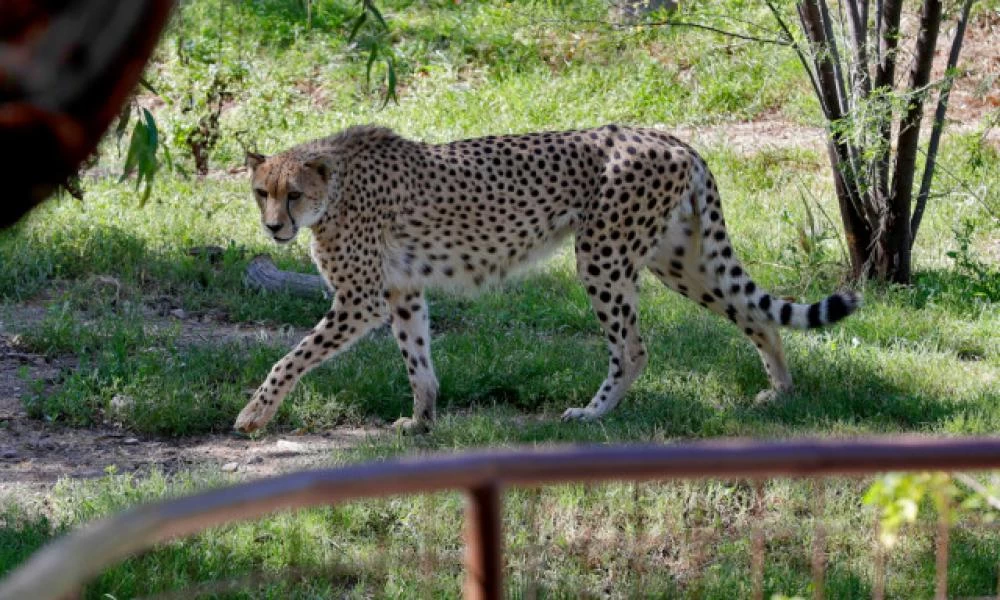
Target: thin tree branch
[
  {"x": 939, "y": 114},
  {"x": 857, "y": 226},
  {"x": 798, "y": 50},
  {"x": 672, "y": 22},
  {"x": 888, "y": 32},
  {"x": 978, "y": 488},
  {"x": 859, "y": 34},
  {"x": 843, "y": 96},
  {"x": 741, "y": 36}
]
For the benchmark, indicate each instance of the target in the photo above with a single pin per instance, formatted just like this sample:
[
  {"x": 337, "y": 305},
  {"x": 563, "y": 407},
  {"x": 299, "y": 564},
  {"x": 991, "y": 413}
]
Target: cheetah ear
[
  {"x": 254, "y": 160},
  {"x": 322, "y": 166}
]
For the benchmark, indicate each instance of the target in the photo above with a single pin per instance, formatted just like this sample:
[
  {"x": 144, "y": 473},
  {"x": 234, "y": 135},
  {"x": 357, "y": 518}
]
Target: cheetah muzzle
[{"x": 392, "y": 216}]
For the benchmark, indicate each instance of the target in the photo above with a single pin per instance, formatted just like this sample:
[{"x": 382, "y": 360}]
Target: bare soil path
[{"x": 34, "y": 454}]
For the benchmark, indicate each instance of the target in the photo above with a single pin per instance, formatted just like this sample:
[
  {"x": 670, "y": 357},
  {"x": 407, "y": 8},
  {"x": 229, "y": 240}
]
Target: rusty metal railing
[{"x": 60, "y": 569}]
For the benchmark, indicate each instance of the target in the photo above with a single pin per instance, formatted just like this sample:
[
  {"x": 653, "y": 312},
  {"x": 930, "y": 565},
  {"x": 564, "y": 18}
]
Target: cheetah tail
[{"x": 831, "y": 309}]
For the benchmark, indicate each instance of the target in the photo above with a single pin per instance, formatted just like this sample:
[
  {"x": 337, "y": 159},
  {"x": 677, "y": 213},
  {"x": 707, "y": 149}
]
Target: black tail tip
[{"x": 841, "y": 304}]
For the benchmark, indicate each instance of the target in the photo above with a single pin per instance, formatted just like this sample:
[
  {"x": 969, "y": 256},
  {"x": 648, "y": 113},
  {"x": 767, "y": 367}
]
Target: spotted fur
[{"x": 391, "y": 216}]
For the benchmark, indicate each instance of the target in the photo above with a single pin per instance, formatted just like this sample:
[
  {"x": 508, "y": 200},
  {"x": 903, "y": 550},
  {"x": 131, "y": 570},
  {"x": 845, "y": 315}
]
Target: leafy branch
[{"x": 377, "y": 44}]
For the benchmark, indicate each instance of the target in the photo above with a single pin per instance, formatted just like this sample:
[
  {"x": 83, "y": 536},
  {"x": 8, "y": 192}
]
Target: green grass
[{"x": 923, "y": 359}]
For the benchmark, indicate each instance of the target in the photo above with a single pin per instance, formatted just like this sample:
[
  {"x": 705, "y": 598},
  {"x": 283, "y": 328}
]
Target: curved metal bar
[{"x": 68, "y": 562}]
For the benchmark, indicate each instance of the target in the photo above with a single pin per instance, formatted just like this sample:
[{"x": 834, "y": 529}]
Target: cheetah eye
[
  {"x": 261, "y": 193},
  {"x": 294, "y": 195}
]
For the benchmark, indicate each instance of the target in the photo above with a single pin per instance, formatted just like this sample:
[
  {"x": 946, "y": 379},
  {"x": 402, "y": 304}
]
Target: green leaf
[
  {"x": 390, "y": 82},
  {"x": 134, "y": 150},
  {"x": 152, "y": 132}
]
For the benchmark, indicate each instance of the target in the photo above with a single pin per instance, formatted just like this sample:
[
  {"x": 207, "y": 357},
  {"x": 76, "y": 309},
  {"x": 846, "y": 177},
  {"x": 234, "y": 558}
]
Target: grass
[{"x": 923, "y": 359}]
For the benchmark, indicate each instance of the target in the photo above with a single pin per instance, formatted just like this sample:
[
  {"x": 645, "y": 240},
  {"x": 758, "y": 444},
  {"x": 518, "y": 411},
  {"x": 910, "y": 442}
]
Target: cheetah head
[{"x": 291, "y": 192}]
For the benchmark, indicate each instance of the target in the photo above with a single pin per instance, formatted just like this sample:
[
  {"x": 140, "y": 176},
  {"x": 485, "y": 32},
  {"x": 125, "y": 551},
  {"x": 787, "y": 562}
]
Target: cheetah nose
[{"x": 274, "y": 227}]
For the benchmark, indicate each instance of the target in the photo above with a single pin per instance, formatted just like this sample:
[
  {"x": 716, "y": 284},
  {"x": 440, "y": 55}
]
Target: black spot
[
  {"x": 786, "y": 313},
  {"x": 765, "y": 302},
  {"x": 749, "y": 288},
  {"x": 836, "y": 308},
  {"x": 708, "y": 298},
  {"x": 731, "y": 313},
  {"x": 813, "y": 315},
  {"x": 403, "y": 313}
]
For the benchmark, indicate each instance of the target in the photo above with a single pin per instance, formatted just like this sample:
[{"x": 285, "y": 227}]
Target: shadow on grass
[
  {"x": 33, "y": 263},
  {"x": 533, "y": 347}
]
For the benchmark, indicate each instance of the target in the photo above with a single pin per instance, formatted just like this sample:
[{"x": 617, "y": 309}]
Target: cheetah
[{"x": 391, "y": 217}]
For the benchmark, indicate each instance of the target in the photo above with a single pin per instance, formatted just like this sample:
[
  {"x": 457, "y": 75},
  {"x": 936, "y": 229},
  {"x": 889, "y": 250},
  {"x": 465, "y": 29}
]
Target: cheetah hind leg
[
  {"x": 615, "y": 304},
  {"x": 678, "y": 268}
]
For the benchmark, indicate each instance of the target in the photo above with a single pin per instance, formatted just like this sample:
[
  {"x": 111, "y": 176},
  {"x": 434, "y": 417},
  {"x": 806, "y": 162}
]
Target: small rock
[
  {"x": 8, "y": 453},
  {"x": 292, "y": 447},
  {"x": 230, "y": 467},
  {"x": 179, "y": 313},
  {"x": 256, "y": 460},
  {"x": 130, "y": 441}
]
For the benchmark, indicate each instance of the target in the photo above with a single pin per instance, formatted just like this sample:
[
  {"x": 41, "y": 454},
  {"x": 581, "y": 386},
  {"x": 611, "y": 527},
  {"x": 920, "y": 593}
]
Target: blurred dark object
[{"x": 66, "y": 69}]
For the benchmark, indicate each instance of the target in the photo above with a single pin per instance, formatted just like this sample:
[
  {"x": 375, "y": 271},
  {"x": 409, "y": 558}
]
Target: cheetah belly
[{"x": 425, "y": 261}]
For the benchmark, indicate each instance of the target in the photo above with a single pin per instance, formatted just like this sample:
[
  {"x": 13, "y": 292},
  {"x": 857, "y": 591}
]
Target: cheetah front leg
[
  {"x": 411, "y": 327},
  {"x": 350, "y": 318}
]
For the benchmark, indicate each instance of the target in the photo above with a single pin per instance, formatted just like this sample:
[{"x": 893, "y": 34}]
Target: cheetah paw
[
  {"x": 411, "y": 426},
  {"x": 768, "y": 396},
  {"x": 253, "y": 417},
  {"x": 579, "y": 414}
]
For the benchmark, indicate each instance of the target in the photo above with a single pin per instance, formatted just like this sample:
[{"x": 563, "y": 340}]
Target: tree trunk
[{"x": 895, "y": 265}]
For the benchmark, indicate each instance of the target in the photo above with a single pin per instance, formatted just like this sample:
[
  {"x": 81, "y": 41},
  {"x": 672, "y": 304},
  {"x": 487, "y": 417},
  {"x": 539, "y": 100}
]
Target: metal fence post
[{"x": 484, "y": 543}]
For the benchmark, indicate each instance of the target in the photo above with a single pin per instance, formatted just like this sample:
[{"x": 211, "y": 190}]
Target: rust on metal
[
  {"x": 757, "y": 547},
  {"x": 484, "y": 543}
]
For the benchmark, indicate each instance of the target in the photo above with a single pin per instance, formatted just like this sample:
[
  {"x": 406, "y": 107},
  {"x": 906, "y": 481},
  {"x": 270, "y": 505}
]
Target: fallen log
[{"x": 262, "y": 274}]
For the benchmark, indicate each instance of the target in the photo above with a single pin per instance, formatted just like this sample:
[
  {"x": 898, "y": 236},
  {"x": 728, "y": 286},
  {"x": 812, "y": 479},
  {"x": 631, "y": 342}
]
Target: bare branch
[
  {"x": 797, "y": 48},
  {"x": 777, "y": 41},
  {"x": 977, "y": 487},
  {"x": 831, "y": 43},
  {"x": 889, "y": 15},
  {"x": 859, "y": 33},
  {"x": 939, "y": 114}
]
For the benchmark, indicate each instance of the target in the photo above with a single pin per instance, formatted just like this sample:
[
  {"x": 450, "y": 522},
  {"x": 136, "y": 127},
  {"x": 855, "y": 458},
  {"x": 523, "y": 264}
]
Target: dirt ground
[{"x": 34, "y": 454}]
